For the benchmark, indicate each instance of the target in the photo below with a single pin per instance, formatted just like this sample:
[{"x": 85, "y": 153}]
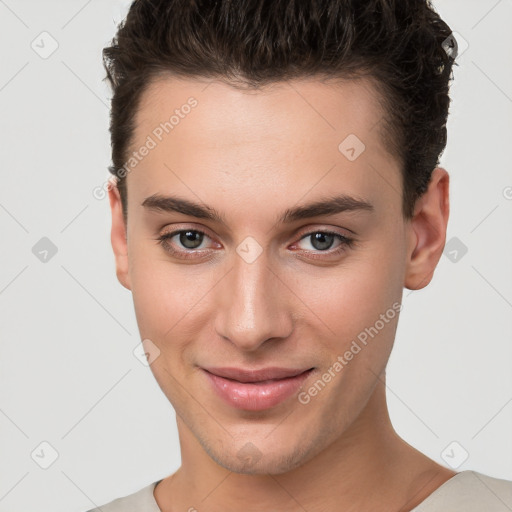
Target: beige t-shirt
[{"x": 467, "y": 491}]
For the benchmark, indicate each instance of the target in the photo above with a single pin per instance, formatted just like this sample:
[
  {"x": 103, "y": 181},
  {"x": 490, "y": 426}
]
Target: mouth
[{"x": 256, "y": 390}]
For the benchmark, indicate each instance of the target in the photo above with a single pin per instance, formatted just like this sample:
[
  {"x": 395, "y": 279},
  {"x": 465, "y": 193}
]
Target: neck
[{"x": 369, "y": 467}]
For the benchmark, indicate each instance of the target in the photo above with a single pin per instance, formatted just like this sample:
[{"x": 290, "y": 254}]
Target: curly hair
[{"x": 403, "y": 46}]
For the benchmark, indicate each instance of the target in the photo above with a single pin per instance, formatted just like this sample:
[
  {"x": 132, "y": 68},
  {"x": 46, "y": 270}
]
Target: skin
[{"x": 252, "y": 155}]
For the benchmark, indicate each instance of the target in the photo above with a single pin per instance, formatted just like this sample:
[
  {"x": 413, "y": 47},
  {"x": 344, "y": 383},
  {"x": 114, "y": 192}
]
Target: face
[{"x": 254, "y": 278}]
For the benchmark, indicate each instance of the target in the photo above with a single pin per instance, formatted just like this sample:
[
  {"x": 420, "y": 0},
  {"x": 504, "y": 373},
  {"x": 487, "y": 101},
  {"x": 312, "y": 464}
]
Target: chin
[{"x": 269, "y": 460}]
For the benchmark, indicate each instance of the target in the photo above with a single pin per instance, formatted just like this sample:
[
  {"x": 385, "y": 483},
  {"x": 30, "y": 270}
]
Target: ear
[
  {"x": 118, "y": 235},
  {"x": 427, "y": 231}
]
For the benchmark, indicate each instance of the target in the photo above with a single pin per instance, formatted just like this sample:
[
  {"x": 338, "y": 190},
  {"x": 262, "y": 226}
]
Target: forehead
[
  {"x": 246, "y": 113},
  {"x": 290, "y": 134}
]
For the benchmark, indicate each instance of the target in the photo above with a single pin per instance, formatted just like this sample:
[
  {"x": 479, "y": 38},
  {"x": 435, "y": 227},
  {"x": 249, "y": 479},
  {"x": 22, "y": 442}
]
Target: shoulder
[
  {"x": 142, "y": 500},
  {"x": 469, "y": 491}
]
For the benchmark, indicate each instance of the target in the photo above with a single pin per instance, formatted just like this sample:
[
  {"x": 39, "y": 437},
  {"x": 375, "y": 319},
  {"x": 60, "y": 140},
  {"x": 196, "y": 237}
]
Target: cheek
[
  {"x": 169, "y": 299},
  {"x": 359, "y": 300},
  {"x": 161, "y": 298},
  {"x": 165, "y": 300}
]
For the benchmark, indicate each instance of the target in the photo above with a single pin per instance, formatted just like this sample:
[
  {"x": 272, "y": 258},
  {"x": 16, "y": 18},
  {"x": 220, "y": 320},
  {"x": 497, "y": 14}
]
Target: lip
[{"x": 256, "y": 390}]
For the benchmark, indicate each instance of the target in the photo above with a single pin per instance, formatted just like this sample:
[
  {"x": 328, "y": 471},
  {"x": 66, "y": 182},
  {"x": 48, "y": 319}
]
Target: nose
[{"x": 254, "y": 305}]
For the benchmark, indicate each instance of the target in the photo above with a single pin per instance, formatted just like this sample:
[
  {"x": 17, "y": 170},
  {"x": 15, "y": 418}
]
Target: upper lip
[{"x": 269, "y": 373}]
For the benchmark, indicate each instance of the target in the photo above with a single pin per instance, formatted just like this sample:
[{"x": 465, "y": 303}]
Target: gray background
[{"x": 68, "y": 375}]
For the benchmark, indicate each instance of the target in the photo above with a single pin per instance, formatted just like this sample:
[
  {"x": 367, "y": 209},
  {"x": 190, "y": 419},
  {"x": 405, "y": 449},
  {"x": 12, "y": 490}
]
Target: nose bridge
[{"x": 254, "y": 308}]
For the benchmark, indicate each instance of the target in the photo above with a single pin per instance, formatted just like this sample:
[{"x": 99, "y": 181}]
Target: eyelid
[
  {"x": 175, "y": 230},
  {"x": 325, "y": 229}
]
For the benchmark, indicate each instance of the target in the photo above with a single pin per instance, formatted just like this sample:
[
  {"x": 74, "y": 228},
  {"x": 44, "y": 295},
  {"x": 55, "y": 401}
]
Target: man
[{"x": 277, "y": 188}]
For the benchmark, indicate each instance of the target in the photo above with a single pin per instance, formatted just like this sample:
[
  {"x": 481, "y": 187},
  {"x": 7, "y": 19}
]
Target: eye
[
  {"x": 191, "y": 242},
  {"x": 190, "y": 239},
  {"x": 322, "y": 241}
]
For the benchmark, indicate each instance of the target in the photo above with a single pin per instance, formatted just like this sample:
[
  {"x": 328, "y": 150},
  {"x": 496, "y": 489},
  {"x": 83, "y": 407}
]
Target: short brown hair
[{"x": 401, "y": 45}]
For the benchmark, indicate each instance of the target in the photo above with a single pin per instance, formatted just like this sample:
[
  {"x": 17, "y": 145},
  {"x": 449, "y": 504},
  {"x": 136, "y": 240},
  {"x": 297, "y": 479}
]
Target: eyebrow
[{"x": 329, "y": 206}]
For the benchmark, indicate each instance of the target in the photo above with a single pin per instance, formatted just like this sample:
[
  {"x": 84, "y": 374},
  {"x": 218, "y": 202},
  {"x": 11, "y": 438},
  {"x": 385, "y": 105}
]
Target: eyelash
[{"x": 346, "y": 243}]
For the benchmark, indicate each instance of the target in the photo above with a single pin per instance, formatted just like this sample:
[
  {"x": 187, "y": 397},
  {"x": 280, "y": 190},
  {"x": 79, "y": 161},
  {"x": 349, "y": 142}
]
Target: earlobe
[
  {"x": 118, "y": 236},
  {"x": 427, "y": 231}
]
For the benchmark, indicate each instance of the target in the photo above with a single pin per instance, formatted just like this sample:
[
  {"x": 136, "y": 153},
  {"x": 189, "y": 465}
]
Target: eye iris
[
  {"x": 193, "y": 237},
  {"x": 320, "y": 237}
]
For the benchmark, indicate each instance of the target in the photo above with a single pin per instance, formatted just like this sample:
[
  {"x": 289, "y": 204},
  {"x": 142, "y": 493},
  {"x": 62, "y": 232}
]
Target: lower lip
[{"x": 256, "y": 396}]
